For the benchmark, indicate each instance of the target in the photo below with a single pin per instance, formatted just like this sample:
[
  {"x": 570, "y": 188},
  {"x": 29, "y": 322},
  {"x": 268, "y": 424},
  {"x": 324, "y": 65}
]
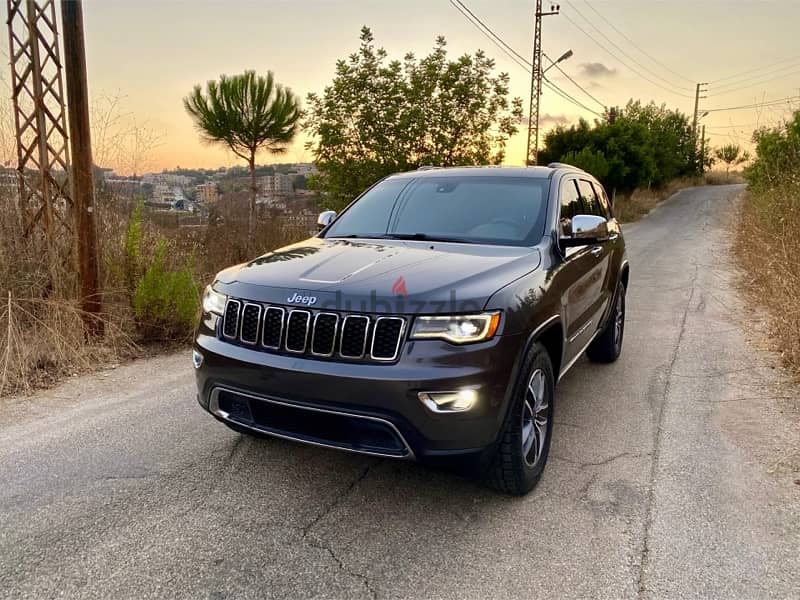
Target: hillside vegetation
[{"x": 768, "y": 244}]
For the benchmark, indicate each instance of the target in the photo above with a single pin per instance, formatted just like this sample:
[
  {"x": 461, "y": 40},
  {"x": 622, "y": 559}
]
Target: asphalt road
[{"x": 671, "y": 474}]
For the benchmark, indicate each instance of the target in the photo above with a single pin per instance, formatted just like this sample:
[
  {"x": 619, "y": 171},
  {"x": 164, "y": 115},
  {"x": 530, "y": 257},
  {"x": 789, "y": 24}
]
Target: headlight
[
  {"x": 213, "y": 301},
  {"x": 458, "y": 329}
]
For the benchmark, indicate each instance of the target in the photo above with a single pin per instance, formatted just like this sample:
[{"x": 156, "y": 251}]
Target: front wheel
[
  {"x": 524, "y": 442},
  {"x": 607, "y": 346}
]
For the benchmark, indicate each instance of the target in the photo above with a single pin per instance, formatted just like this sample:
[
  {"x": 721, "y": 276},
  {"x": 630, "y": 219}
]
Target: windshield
[{"x": 472, "y": 209}]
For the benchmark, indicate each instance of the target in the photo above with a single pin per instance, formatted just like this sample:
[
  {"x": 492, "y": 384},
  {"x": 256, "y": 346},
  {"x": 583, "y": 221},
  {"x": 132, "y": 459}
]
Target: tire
[
  {"x": 607, "y": 346},
  {"x": 514, "y": 469}
]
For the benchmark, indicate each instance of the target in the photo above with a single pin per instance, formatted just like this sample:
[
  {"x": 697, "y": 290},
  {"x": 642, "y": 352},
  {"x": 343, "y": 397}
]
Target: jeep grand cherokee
[{"x": 430, "y": 320}]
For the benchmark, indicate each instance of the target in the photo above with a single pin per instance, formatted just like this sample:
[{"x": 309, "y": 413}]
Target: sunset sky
[{"x": 153, "y": 53}]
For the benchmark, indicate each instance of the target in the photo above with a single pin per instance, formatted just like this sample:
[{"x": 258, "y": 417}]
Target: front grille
[{"x": 319, "y": 334}]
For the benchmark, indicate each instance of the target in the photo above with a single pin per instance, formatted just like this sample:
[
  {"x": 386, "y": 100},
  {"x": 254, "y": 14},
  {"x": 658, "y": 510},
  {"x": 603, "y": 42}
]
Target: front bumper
[{"x": 385, "y": 395}]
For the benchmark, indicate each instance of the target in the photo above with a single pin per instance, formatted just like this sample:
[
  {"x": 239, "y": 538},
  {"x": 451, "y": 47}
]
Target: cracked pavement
[{"x": 671, "y": 474}]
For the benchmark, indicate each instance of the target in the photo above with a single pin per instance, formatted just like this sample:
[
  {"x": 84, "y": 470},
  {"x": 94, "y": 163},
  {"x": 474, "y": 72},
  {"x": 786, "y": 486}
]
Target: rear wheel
[
  {"x": 524, "y": 442},
  {"x": 607, "y": 346}
]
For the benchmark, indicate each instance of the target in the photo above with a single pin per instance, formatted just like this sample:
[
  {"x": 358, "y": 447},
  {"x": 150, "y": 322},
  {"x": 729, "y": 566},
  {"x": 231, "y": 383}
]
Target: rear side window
[
  {"x": 590, "y": 200},
  {"x": 571, "y": 205},
  {"x": 603, "y": 197}
]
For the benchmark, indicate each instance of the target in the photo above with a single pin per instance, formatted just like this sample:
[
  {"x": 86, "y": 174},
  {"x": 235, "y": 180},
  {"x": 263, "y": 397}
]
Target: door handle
[{"x": 596, "y": 251}]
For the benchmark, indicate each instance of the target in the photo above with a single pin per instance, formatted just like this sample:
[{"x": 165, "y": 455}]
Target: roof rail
[
  {"x": 560, "y": 165},
  {"x": 428, "y": 168}
]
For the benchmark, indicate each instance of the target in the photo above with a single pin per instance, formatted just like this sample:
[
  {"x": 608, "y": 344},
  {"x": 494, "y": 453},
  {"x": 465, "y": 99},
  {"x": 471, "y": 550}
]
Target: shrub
[{"x": 165, "y": 303}]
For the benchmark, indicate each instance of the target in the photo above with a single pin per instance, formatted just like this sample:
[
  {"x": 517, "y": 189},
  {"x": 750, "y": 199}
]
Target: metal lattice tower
[
  {"x": 45, "y": 200},
  {"x": 537, "y": 73},
  {"x": 536, "y": 88}
]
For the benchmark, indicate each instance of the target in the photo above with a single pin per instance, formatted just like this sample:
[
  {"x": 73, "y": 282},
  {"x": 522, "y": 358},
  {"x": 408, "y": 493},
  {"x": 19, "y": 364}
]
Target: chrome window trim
[
  {"x": 241, "y": 323},
  {"x": 314, "y": 333},
  {"x": 305, "y": 339},
  {"x": 366, "y": 335},
  {"x": 264, "y": 329},
  {"x": 399, "y": 339},
  {"x": 238, "y": 318},
  {"x": 213, "y": 407}
]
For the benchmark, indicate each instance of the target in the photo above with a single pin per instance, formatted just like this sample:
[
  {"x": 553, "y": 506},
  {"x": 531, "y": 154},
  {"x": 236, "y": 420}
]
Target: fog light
[
  {"x": 443, "y": 402},
  {"x": 197, "y": 359}
]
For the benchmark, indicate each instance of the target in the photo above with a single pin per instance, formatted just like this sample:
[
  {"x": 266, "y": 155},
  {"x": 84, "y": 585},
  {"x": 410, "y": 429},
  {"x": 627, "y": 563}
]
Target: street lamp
[{"x": 561, "y": 58}]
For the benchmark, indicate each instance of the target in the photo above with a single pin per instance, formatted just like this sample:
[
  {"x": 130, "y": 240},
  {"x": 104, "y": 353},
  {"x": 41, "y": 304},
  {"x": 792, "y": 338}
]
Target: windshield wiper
[{"x": 424, "y": 237}]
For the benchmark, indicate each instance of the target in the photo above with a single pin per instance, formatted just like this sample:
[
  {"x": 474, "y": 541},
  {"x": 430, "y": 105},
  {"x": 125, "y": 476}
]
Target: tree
[
  {"x": 645, "y": 145},
  {"x": 591, "y": 161},
  {"x": 731, "y": 155},
  {"x": 247, "y": 113},
  {"x": 379, "y": 116}
]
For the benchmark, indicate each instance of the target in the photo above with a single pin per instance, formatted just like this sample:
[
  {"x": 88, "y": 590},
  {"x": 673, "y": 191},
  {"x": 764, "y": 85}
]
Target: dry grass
[
  {"x": 723, "y": 178},
  {"x": 41, "y": 325},
  {"x": 767, "y": 248},
  {"x": 632, "y": 207}
]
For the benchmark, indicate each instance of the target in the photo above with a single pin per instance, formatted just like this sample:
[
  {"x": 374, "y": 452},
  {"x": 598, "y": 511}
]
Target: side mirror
[
  {"x": 324, "y": 219},
  {"x": 585, "y": 230}
]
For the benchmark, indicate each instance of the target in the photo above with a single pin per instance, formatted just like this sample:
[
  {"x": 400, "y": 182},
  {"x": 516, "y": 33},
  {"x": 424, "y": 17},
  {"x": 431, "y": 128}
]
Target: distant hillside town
[{"x": 207, "y": 193}]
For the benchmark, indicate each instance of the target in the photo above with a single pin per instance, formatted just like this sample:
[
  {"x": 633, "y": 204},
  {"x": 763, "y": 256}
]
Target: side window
[
  {"x": 603, "y": 197},
  {"x": 589, "y": 199},
  {"x": 571, "y": 205}
]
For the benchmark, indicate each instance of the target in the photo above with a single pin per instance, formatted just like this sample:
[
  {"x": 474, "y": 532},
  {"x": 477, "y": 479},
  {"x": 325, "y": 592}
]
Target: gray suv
[{"x": 430, "y": 320}]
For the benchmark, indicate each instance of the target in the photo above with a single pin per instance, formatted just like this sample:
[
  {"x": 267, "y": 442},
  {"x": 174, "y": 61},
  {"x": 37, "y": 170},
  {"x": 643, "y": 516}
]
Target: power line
[
  {"x": 514, "y": 55},
  {"x": 761, "y": 73},
  {"x": 753, "y": 70},
  {"x": 635, "y": 45},
  {"x": 578, "y": 85},
  {"x": 611, "y": 54},
  {"x": 765, "y": 104},
  {"x": 754, "y": 84}
]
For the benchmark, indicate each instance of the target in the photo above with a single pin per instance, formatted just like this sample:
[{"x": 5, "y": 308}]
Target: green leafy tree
[
  {"x": 379, "y": 116},
  {"x": 591, "y": 161},
  {"x": 646, "y": 145},
  {"x": 731, "y": 155},
  {"x": 777, "y": 156},
  {"x": 247, "y": 113}
]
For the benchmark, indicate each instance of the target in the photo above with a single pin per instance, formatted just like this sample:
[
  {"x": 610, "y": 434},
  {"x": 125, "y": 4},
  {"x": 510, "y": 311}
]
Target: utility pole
[
  {"x": 81, "y": 150},
  {"x": 532, "y": 151},
  {"x": 697, "y": 98}
]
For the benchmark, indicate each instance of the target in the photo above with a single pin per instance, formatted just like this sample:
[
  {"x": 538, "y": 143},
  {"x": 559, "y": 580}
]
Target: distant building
[
  {"x": 208, "y": 193},
  {"x": 9, "y": 184},
  {"x": 278, "y": 184}
]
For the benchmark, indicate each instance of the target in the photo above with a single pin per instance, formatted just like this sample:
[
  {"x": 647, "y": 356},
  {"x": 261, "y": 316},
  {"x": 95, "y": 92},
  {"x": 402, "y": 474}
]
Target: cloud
[
  {"x": 596, "y": 69},
  {"x": 548, "y": 120}
]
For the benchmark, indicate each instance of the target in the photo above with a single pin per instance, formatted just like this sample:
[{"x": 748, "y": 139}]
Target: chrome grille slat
[
  {"x": 248, "y": 322},
  {"x": 230, "y": 322},
  {"x": 271, "y": 314},
  {"x": 385, "y": 330},
  {"x": 317, "y": 334},
  {"x": 294, "y": 316},
  {"x": 342, "y": 341}
]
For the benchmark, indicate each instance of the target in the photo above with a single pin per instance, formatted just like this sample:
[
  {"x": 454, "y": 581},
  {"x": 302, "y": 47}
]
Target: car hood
[{"x": 386, "y": 276}]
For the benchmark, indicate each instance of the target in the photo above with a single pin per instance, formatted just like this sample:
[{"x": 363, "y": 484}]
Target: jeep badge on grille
[{"x": 300, "y": 299}]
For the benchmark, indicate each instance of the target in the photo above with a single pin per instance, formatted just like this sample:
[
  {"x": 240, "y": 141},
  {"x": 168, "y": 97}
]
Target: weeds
[
  {"x": 632, "y": 207},
  {"x": 768, "y": 245}
]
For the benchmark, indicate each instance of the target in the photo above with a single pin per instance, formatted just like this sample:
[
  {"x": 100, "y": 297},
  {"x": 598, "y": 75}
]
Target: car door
[
  {"x": 599, "y": 275},
  {"x": 576, "y": 277}
]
